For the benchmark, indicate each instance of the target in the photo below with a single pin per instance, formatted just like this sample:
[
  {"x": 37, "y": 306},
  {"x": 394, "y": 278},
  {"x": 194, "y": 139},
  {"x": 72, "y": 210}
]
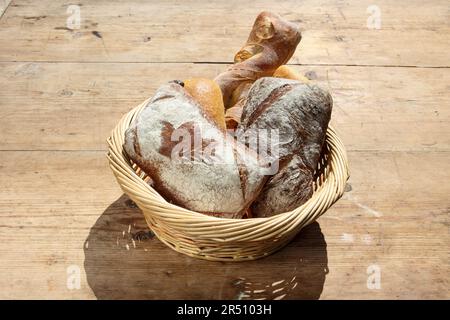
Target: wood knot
[{"x": 97, "y": 34}]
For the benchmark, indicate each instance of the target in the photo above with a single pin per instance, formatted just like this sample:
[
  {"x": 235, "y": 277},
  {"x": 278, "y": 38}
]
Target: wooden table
[{"x": 63, "y": 217}]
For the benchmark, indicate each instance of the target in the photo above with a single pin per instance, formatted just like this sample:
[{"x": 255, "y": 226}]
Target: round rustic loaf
[
  {"x": 192, "y": 162},
  {"x": 300, "y": 112}
]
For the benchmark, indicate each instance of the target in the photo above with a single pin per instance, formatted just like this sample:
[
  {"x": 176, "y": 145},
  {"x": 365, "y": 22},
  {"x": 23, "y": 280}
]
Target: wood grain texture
[
  {"x": 63, "y": 91},
  {"x": 335, "y": 32},
  {"x": 73, "y": 214}
]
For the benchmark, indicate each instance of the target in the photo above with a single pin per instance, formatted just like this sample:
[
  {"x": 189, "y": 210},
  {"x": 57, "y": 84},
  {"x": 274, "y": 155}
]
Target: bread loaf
[
  {"x": 271, "y": 43},
  {"x": 239, "y": 96},
  {"x": 208, "y": 95},
  {"x": 287, "y": 72},
  {"x": 300, "y": 112},
  {"x": 192, "y": 162}
]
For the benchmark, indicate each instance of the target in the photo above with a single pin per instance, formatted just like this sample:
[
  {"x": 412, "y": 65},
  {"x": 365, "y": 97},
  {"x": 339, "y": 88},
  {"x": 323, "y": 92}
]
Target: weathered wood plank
[
  {"x": 60, "y": 106},
  {"x": 59, "y": 209},
  {"x": 335, "y": 32}
]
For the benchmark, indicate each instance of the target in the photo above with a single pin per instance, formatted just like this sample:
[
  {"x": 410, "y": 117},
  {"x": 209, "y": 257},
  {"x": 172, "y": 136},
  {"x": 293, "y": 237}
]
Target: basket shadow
[{"x": 124, "y": 260}]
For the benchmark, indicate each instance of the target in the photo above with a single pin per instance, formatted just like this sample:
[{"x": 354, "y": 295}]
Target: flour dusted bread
[
  {"x": 300, "y": 112},
  {"x": 190, "y": 159}
]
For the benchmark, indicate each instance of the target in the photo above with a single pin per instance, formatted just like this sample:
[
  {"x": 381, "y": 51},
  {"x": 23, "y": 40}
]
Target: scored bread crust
[
  {"x": 213, "y": 187},
  {"x": 300, "y": 112}
]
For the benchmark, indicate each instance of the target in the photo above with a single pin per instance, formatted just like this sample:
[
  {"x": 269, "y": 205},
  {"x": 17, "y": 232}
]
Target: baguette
[{"x": 271, "y": 43}]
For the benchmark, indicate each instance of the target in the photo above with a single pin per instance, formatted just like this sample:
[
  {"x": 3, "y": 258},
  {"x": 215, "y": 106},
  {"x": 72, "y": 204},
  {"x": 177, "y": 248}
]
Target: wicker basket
[{"x": 219, "y": 239}]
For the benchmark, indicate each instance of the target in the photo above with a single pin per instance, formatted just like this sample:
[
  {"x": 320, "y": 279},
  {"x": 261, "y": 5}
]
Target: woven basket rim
[{"x": 130, "y": 181}]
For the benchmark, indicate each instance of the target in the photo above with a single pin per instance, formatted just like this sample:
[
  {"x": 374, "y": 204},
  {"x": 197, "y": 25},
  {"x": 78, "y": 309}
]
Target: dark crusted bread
[{"x": 300, "y": 112}]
